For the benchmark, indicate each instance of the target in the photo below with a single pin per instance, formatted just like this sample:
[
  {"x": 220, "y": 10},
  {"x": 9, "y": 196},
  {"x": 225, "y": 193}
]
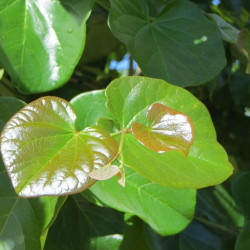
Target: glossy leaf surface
[
  {"x": 177, "y": 34},
  {"x": 166, "y": 130},
  {"x": 38, "y": 51},
  {"x": 157, "y": 205},
  {"x": 207, "y": 162},
  {"x": 23, "y": 222},
  {"x": 244, "y": 46},
  {"x": 45, "y": 155}
]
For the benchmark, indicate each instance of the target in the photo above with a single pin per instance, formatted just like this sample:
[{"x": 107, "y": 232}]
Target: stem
[
  {"x": 104, "y": 4},
  {"x": 116, "y": 133},
  {"x": 120, "y": 132},
  {"x": 121, "y": 142},
  {"x": 131, "y": 69},
  {"x": 214, "y": 225}
]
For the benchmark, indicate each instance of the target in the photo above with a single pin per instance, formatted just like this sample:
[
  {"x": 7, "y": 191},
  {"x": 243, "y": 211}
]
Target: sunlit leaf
[
  {"x": 87, "y": 114},
  {"x": 41, "y": 41},
  {"x": 105, "y": 172},
  {"x": 45, "y": 155},
  {"x": 157, "y": 205},
  {"x": 167, "y": 130},
  {"x": 23, "y": 222},
  {"x": 206, "y": 164}
]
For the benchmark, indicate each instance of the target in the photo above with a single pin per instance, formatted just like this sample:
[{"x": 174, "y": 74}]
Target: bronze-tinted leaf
[
  {"x": 45, "y": 155},
  {"x": 167, "y": 130}
]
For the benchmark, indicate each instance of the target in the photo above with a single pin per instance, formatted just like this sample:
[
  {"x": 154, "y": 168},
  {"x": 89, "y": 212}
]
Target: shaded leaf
[
  {"x": 196, "y": 236},
  {"x": 243, "y": 240},
  {"x": 83, "y": 225},
  {"x": 8, "y": 107},
  {"x": 177, "y": 34},
  {"x": 157, "y": 205},
  {"x": 38, "y": 51},
  {"x": 167, "y": 130},
  {"x": 218, "y": 206},
  {"x": 134, "y": 236},
  {"x": 45, "y": 155},
  {"x": 244, "y": 46},
  {"x": 240, "y": 188},
  {"x": 228, "y": 32},
  {"x": 207, "y": 162}
]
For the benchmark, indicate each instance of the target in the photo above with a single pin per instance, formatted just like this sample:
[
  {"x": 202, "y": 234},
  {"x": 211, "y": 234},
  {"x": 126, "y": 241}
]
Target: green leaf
[
  {"x": 243, "y": 240},
  {"x": 244, "y": 46},
  {"x": 45, "y": 155},
  {"x": 38, "y": 51},
  {"x": 89, "y": 107},
  {"x": 207, "y": 162},
  {"x": 8, "y": 107},
  {"x": 178, "y": 44},
  {"x": 83, "y": 225},
  {"x": 134, "y": 236},
  {"x": 167, "y": 130},
  {"x": 228, "y": 32},
  {"x": 157, "y": 205},
  {"x": 240, "y": 187},
  {"x": 1, "y": 73},
  {"x": 217, "y": 205},
  {"x": 100, "y": 41},
  {"x": 23, "y": 222},
  {"x": 196, "y": 236}
]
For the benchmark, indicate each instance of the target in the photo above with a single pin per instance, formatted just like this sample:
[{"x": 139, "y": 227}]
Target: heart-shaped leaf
[
  {"x": 163, "y": 40},
  {"x": 23, "y": 222},
  {"x": 167, "y": 130},
  {"x": 45, "y": 155},
  {"x": 41, "y": 41},
  {"x": 206, "y": 164}
]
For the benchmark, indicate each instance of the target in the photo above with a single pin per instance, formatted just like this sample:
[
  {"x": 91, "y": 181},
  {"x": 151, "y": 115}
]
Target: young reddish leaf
[
  {"x": 167, "y": 130},
  {"x": 104, "y": 173},
  {"x": 45, "y": 155}
]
